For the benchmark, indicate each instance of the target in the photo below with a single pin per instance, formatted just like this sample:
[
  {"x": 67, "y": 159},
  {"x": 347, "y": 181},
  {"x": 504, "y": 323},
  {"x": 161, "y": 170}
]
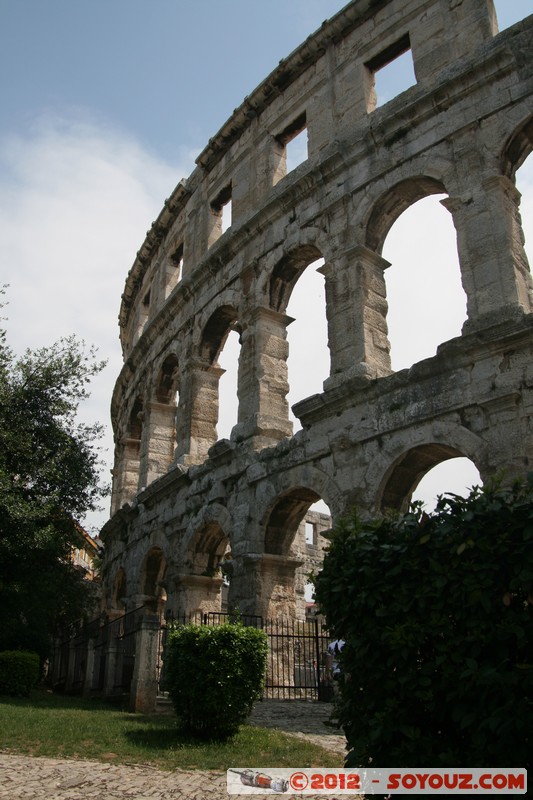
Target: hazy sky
[{"x": 105, "y": 105}]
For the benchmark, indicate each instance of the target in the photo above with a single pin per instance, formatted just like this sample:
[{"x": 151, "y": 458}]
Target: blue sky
[{"x": 105, "y": 105}]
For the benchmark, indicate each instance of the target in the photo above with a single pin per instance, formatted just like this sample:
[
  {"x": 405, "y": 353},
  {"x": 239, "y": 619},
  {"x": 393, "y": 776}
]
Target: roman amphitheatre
[{"x": 189, "y": 508}]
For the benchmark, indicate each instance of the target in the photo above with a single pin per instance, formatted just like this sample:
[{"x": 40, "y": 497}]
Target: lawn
[{"x": 70, "y": 727}]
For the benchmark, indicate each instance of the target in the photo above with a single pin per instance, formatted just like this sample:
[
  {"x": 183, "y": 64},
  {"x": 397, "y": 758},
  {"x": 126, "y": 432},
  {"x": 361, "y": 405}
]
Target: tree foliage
[
  {"x": 48, "y": 479},
  {"x": 436, "y": 611}
]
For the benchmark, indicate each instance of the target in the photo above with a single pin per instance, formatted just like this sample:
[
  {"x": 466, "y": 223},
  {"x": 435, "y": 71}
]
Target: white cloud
[{"x": 76, "y": 200}]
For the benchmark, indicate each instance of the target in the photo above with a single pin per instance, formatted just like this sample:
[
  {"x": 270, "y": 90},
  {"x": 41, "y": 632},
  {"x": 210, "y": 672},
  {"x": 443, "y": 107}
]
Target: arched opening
[
  {"x": 297, "y": 288},
  {"x": 167, "y": 383},
  {"x": 120, "y": 591},
  {"x": 152, "y": 577},
  {"x": 205, "y": 586},
  {"x": 228, "y": 360},
  {"x": 162, "y": 420},
  {"x": 308, "y": 362},
  {"x": 294, "y": 547},
  {"x": 404, "y": 481},
  {"x": 130, "y": 446},
  {"x": 455, "y": 476},
  {"x": 426, "y": 300},
  {"x": 517, "y": 165},
  {"x": 524, "y": 184},
  {"x": 217, "y": 403}
]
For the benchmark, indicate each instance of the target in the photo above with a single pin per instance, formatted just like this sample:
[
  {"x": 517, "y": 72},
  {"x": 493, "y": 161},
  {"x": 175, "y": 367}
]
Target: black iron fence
[
  {"x": 108, "y": 646},
  {"x": 297, "y": 654}
]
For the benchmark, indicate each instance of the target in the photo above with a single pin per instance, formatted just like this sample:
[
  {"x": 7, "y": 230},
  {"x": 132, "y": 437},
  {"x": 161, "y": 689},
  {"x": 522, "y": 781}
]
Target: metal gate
[{"x": 297, "y": 650}]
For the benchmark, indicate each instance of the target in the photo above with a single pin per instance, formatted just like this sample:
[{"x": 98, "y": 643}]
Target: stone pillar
[
  {"x": 143, "y": 695},
  {"x": 161, "y": 433},
  {"x": 264, "y": 585},
  {"x": 263, "y": 380},
  {"x": 198, "y": 593},
  {"x": 494, "y": 266},
  {"x": 126, "y": 473},
  {"x": 196, "y": 427},
  {"x": 356, "y": 308}
]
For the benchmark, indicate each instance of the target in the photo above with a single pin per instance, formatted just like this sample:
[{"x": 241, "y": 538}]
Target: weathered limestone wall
[{"x": 182, "y": 500}]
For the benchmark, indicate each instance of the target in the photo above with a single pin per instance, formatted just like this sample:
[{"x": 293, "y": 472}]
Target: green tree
[
  {"x": 49, "y": 465},
  {"x": 436, "y": 611}
]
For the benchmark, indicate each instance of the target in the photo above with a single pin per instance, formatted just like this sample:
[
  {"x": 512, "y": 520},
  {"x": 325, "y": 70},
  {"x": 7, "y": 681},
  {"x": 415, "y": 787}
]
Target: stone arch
[
  {"x": 135, "y": 421},
  {"x": 289, "y": 496},
  {"x": 151, "y": 579},
  {"x": 216, "y": 331},
  {"x": 517, "y": 148},
  {"x": 201, "y": 587},
  {"x": 207, "y": 548},
  {"x": 407, "y": 467},
  {"x": 285, "y": 517},
  {"x": 167, "y": 382},
  {"x": 119, "y": 593},
  {"x": 392, "y": 203},
  {"x": 286, "y": 273}
]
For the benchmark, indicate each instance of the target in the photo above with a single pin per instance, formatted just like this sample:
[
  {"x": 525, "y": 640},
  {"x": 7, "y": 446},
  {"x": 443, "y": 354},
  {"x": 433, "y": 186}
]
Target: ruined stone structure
[{"x": 183, "y": 500}]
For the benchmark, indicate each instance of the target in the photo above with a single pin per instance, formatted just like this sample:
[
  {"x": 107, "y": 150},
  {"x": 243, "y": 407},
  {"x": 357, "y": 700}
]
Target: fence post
[
  {"x": 71, "y": 664},
  {"x": 110, "y": 662},
  {"x": 89, "y": 669},
  {"x": 318, "y": 654},
  {"x": 143, "y": 695}
]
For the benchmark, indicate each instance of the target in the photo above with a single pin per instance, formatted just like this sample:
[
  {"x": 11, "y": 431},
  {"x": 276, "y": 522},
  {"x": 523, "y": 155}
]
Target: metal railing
[{"x": 297, "y": 650}]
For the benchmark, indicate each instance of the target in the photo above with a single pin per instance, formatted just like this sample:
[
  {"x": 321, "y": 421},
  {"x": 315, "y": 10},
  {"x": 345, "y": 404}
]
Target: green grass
[{"x": 70, "y": 727}]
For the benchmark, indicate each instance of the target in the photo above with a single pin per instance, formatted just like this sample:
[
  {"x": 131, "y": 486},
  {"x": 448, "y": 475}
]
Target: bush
[
  {"x": 19, "y": 672},
  {"x": 436, "y": 613},
  {"x": 214, "y": 675}
]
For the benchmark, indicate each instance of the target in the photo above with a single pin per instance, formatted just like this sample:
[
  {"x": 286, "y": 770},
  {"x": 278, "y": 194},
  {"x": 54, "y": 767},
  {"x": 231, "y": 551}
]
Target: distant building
[{"x": 84, "y": 556}]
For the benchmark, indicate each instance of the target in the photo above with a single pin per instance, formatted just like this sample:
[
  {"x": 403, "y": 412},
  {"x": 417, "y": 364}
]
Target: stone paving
[{"x": 27, "y": 778}]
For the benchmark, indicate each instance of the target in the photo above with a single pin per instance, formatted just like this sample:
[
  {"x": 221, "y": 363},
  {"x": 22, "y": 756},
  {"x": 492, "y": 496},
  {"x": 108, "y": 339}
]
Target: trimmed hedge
[
  {"x": 214, "y": 675},
  {"x": 19, "y": 672},
  {"x": 437, "y": 615}
]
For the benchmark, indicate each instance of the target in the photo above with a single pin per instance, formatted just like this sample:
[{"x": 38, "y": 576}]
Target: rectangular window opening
[
  {"x": 310, "y": 533},
  {"x": 390, "y": 73},
  {"x": 174, "y": 269},
  {"x": 222, "y": 213},
  {"x": 291, "y": 147},
  {"x": 177, "y": 257}
]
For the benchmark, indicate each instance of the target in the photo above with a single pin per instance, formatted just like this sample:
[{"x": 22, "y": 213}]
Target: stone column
[
  {"x": 161, "y": 433},
  {"x": 263, "y": 380},
  {"x": 197, "y": 417},
  {"x": 264, "y": 585},
  {"x": 126, "y": 472},
  {"x": 198, "y": 593},
  {"x": 143, "y": 694},
  {"x": 356, "y": 308},
  {"x": 494, "y": 266}
]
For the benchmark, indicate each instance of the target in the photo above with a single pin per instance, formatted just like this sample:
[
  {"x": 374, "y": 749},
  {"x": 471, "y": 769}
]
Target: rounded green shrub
[
  {"x": 19, "y": 672},
  {"x": 214, "y": 675},
  {"x": 436, "y": 611}
]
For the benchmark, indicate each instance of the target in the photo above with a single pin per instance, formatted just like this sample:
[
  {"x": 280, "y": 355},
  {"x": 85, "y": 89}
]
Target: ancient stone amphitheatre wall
[{"x": 181, "y": 498}]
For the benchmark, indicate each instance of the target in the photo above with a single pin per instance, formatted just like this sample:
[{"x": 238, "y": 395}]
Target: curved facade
[{"x": 182, "y": 499}]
